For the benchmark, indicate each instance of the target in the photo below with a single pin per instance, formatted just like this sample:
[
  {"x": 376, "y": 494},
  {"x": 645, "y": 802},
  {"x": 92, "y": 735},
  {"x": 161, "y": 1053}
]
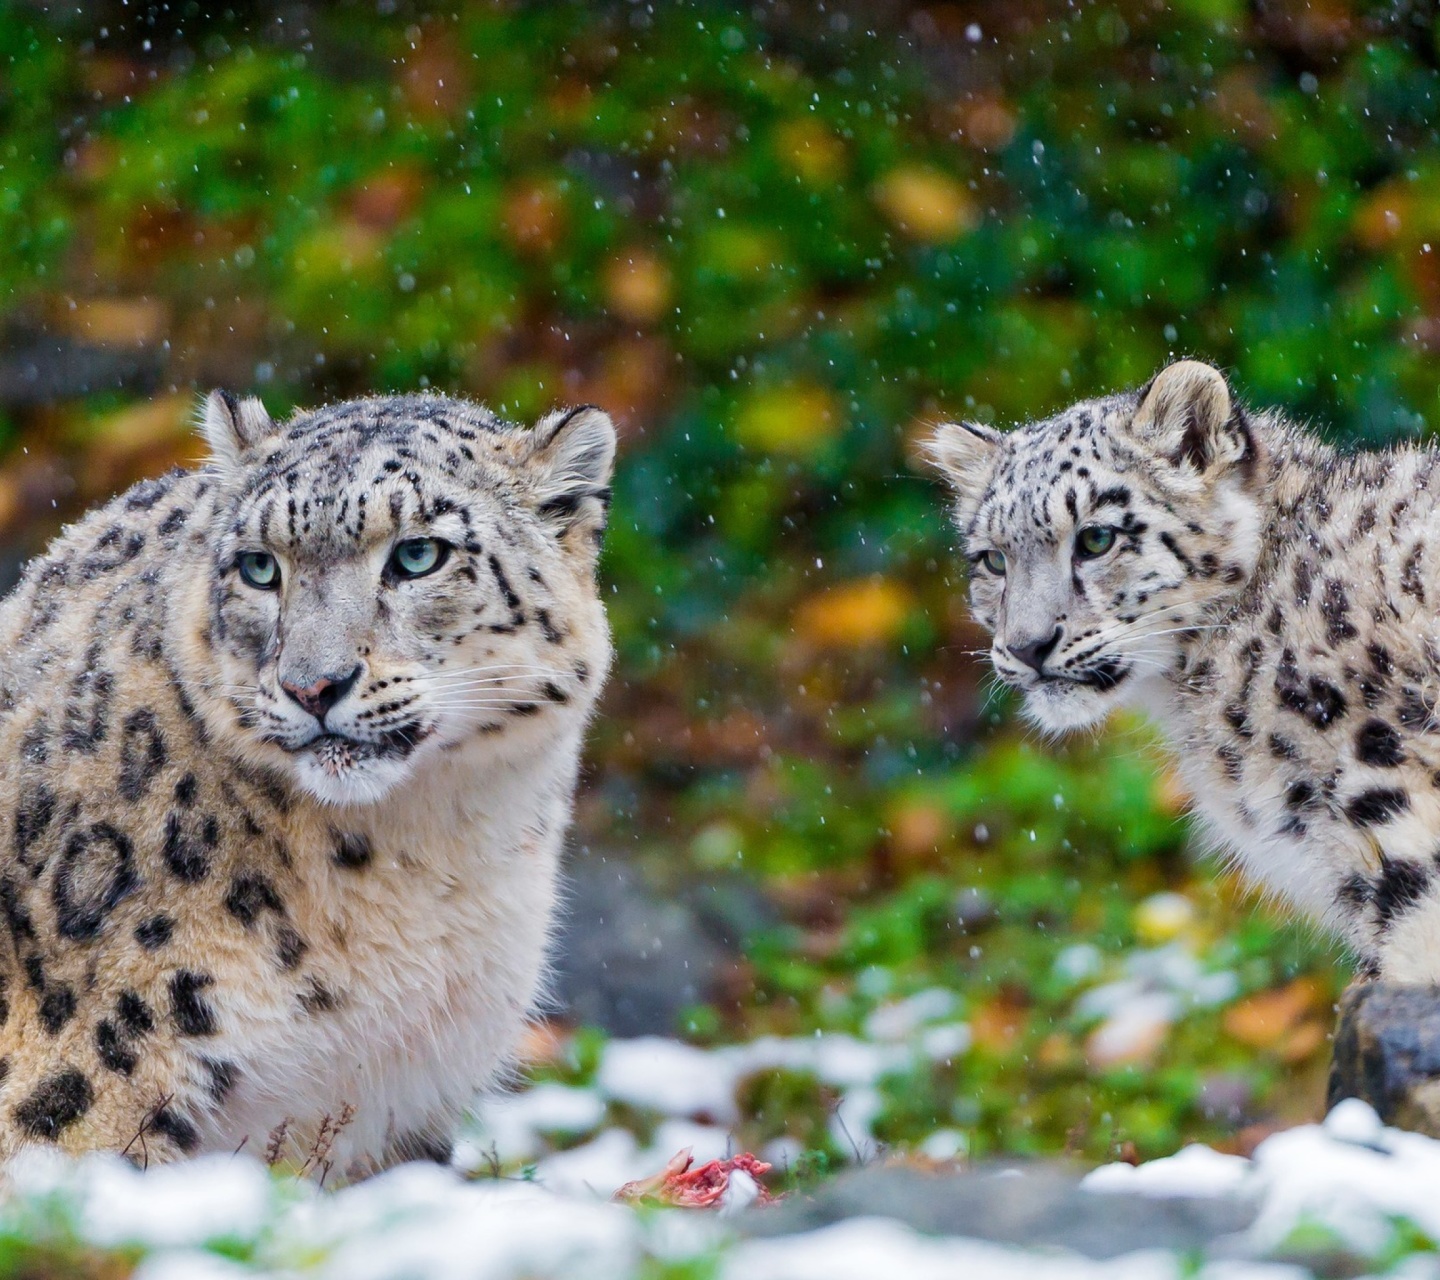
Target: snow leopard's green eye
[
  {"x": 994, "y": 561},
  {"x": 415, "y": 557},
  {"x": 1094, "y": 541},
  {"x": 260, "y": 570}
]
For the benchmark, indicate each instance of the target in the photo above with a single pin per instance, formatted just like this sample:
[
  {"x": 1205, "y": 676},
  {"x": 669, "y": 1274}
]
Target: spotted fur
[
  {"x": 222, "y": 907},
  {"x": 1273, "y": 603}
]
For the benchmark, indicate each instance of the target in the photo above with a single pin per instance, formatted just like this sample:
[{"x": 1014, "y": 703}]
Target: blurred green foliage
[{"x": 775, "y": 243}]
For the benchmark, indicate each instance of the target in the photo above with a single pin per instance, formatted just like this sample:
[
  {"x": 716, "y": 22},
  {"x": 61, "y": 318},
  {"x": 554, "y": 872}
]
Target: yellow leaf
[
  {"x": 926, "y": 204},
  {"x": 637, "y": 287},
  {"x": 797, "y": 419},
  {"x": 809, "y": 148},
  {"x": 1163, "y": 916},
  {"x": 342, "y": 248},
  {"x": 859, "y": 614}
]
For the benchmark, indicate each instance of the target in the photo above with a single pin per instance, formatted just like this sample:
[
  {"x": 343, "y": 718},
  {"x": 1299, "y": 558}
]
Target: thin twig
[
  {"x": 147, "y": 1122},
  {"x": 276, "y": 1141}
]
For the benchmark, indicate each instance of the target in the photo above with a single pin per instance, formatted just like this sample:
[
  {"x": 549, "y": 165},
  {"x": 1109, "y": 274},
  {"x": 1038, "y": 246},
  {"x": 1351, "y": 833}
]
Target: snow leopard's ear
[
  {"x": 571, "y": 457},
  {"x": 965, "y": 453},
  {"x": 232, "y": 427},
  {"x": 1188, "y": 415}
]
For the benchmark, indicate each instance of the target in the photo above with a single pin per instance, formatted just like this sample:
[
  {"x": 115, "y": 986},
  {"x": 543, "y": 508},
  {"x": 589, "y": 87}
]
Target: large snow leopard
[{"x": 287, "y": 750}]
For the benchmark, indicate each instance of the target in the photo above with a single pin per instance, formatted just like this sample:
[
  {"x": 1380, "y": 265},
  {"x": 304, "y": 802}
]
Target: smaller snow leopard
[
  {"x": 1272, "y": 602},
  {"x": 287, "y": 751}
]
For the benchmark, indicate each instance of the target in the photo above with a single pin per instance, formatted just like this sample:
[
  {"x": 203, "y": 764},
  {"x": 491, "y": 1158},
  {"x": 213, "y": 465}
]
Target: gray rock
[
  {"x": 731, "y": 909},
  {"x": 628, "y": 961},
  {"x": 1387, "y": 1051},
  {"x": 1226, "y": 1096},
  {"x": 1038, "y": 1206}
]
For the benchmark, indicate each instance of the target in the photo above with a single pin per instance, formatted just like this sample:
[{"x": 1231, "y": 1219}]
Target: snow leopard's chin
[{"x": 1066, "y": 706}]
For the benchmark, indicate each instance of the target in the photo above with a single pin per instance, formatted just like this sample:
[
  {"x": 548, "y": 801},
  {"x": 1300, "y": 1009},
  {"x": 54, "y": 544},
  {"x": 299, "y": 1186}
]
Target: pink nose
[
  {"x": 1034, "y": 652},
  {"x": 321, "y": 695}
]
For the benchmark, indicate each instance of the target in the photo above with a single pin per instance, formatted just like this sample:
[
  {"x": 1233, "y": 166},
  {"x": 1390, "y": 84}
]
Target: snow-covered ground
[
  {"x": 1356, "y": 1186},
  {"x": 535, "y": 1171},
  {"x": 694, "y": 1092},
  {"x": 561, "y": 1132}
]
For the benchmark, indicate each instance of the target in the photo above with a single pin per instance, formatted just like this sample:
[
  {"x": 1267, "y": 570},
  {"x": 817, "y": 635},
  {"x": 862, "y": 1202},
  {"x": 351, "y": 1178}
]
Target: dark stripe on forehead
[
  {"x": 1037, "y": 507},
  {"x": 1173, "y": 547}
]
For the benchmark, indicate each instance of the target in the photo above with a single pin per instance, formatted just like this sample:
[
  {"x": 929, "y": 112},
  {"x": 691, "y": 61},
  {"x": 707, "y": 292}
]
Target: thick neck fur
[
  {"x": 1304, "y": 716},
  {"x": 1293, "y": 477}
]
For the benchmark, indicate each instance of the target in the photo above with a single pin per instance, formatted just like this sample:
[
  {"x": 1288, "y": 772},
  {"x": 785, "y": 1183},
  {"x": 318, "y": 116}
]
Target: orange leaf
[
  {"x": 859, "y": 614},
  {"x": 1262, "y": 1020},
  {"x": 637, "y": 287}
]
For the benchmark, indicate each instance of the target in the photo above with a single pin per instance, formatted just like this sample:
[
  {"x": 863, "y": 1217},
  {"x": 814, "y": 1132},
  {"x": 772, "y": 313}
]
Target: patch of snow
[
  {"x": 1419, "y": 1267},
  {"x": 189, "y": 1264},
  {"x": 902, "y": 1019},
  {"x": 1238, "y": 1269},
  {"x": 598, "y": 1168},
  {"x": 740, "y": 1193},
  {"x": 1355, "y": 1122},
  {"x": 1194, "y": 1171},
  {"x": 945, "y": 1144},
  {"x": 782, "y": 1152},
  {"x": 513, "y": 1125},
  {"x": 1079, "y": 962},
  {"x": 1176, "y": 968},
  {"x": 706, "y": 1141},
  {"x": 1134, "y": 1029},
  {"x": 1312, "y": 1174},
  {"x": 874, "y": 981},
  {"x": 557, "y": 1108},
  {"x": 492, "y": 1231},
  {"x": 1210, "y": 990},
  {"x": 945, "y": 1043},
  {"x": 1109, "y": 998},
  {"x": 851, "y": 1123},
  {"x": 669, "y": 1077},
  {"x": 834, "y": 1058},
  {"x": 845, "y": 1061},
  {"x": 175, "y": 1206},
  {"x": 1350, "y": 1175},
  {"x": 1172, "y": 970}
]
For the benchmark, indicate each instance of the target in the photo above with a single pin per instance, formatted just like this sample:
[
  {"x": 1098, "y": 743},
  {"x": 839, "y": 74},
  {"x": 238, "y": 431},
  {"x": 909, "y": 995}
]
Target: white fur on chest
[
  {"x": 1300, "y": 872},
  {"x": 431, "y": 956}
]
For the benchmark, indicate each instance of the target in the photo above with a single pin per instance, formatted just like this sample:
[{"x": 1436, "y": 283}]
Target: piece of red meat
[{"x": 695, "y": 1188}]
